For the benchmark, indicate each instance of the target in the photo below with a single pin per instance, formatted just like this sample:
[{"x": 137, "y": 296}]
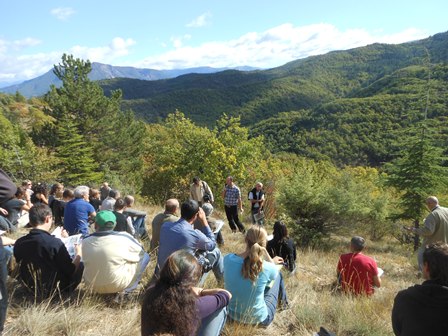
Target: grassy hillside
[{"x": 313, "y": 298}]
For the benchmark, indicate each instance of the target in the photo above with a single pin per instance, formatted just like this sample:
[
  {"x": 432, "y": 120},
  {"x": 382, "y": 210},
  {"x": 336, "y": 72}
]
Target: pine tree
[{"x": 75, "y": 154}]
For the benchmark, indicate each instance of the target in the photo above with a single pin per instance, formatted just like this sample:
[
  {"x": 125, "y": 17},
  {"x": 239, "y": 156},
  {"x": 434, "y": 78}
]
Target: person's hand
[
  {"x": 202, "y": 217},
  {"x": 4, "y": 212},
  {"x": 64, "y": 233},
  {"x": 241, "y": 210},
  {"x": 277, "y": 260},
  {"x": 78, "y": 249}
]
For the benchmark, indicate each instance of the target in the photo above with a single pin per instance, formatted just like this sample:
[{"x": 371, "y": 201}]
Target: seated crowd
[{"x": 99, "y": 242}]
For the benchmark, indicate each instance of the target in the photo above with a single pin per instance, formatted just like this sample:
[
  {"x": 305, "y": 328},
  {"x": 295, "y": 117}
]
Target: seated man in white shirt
[{"x": 114, "y": 262}]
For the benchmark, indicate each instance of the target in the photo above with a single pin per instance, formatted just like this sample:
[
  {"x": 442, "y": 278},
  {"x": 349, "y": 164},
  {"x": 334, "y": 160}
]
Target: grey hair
[{"x": 81, "y": 191}]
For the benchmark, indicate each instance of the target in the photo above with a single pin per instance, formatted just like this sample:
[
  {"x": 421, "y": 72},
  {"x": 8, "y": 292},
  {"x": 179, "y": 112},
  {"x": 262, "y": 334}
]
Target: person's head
[
  {"x": 40, "y": 215},
  {"x": 27, "y": 184},
  {"x": 181, "y": 269},
  {"x": 105, "y": 185},
  {"x": 120, "y": 204},
  {"x": 208, "y": 209},
  {"x": 280, "y": 230},
  {"x": 81, "y": 192},
  {"x": 189, "y": 210},
  {"x": 435, "y": 263},
  {"x": 105, "y": 220},
  {"x": 114, "y": 193},
  {"x": 40, "y": 188},
  {"x": 256, "y": 238},
  {"x": 229, "y": 180},
  {"x": 94, "y": 193},
  {"x": 171, "y": 206},
  {"x": 56, "y": 187},
  {"x": 170, "y": 305},
  {"x": 129, "y": 200},
  {"x": 258, "y": 186},
  {"x": 357, "y": 244},
  {"x": 68, "y": 195},
  {"x": 196, "y": 180},
  {"x": 20, "y": 192},
  {"x": 432, "y": 202}
]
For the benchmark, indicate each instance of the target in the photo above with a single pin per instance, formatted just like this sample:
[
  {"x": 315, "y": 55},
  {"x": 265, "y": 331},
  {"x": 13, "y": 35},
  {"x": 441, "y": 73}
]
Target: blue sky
[{"x": 180, "y": 34}]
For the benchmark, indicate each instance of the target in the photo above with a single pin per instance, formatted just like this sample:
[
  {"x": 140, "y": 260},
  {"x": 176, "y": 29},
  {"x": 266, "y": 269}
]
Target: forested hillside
[{"x": 347, "y": 106}]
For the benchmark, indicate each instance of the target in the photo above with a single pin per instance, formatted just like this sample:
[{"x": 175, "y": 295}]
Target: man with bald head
[
  {"x": 434, "y": 229},
  {"x": 169, "y": 215}
]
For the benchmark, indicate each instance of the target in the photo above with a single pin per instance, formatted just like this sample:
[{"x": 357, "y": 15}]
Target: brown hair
[
  {"x": 256, "y": 238},
  {"x": 170, "y": 305}
]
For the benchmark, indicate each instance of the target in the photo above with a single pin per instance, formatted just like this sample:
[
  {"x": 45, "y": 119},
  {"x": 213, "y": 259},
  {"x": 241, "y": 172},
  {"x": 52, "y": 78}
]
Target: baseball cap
[{"x": 106, "y": 219}]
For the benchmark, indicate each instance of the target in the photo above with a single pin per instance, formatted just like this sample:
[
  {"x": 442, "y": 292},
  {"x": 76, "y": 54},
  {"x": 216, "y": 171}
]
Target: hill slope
[
  {"x": 40, "y": 85},
  {"x": 258, "y": 95}
]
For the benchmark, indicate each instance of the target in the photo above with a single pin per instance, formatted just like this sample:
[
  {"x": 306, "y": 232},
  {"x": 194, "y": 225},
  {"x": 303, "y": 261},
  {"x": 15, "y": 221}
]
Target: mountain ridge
[{"x": 40, "y": 85}]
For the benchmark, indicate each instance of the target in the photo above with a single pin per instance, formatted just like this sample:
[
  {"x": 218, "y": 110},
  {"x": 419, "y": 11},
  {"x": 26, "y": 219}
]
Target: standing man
[
  {"x": 423, "y": 309},
  {"x": 78, "y": 212},
  {"x": 358, "y": 273},
  {"x": 256, "y": 198},
  {"x": 434, "y": 229},
  {"x": 200, "y": 190},
  {"x": 232, "y": 202},
  {"x": 169, "y": 215}
]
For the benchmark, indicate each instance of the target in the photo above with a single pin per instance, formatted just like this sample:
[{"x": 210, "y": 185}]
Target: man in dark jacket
[
  {"x": 45, "y": 265},
  {"x": 423, "y": 309}
]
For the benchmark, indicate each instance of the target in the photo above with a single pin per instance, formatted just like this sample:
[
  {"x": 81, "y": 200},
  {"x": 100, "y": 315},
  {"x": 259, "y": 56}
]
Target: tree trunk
[{"x": 416, "y": 236}]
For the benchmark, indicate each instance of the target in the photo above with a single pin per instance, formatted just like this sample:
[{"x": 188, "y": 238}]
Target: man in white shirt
[
  {"x": 114, "y": 262},
  {"x": 256, "y": 198}
]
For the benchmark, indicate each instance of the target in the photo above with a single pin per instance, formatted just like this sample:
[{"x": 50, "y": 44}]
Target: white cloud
[
  {"x": 19, "y": 66},
  {"x": 62, "y": 13},
  {"x": 178, "y": 41},
  {"x": 200, "y": 21},
  {"x": 273, "y": 47},
  {"x": 117, "y": 48}
]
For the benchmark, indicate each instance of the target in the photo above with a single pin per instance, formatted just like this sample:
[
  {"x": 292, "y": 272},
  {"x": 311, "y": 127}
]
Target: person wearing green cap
[{"x": 114, "y": 262}]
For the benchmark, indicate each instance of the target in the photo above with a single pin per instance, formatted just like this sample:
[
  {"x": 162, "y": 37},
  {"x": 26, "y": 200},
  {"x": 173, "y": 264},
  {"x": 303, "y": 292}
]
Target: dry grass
[{"x": 313, "y": 298}]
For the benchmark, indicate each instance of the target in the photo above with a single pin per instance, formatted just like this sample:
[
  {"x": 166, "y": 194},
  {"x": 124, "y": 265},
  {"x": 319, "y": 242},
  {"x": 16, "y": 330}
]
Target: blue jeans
[
  {"x": 213, "y": 324},
  {"x": 139, "y": 225},
  {"x": 5, "y": 255},
  {"x": 217, "y": 262},
  {"x": 272, "y": 297}
]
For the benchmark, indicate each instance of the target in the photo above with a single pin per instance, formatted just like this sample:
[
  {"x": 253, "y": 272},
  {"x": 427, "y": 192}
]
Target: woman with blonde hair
[{"x": 254, "y": 280}]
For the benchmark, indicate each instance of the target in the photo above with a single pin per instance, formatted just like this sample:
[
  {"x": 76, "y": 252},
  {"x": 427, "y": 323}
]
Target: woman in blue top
[{"x": 254, "y": 280}]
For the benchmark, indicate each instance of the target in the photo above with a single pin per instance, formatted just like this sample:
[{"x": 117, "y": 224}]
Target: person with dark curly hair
[{"x": 175, "y": 306}]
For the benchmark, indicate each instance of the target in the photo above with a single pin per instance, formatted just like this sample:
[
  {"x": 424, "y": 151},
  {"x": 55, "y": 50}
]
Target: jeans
[
  {"x": 139, "y": 225},
  {"x": 5, "y": 255},
  {"x": 232, "y": 217},
  {"x": 213, "y": 324},
  {"x": 217, "y": 262},
  {"x": 272, "y": 296}
]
